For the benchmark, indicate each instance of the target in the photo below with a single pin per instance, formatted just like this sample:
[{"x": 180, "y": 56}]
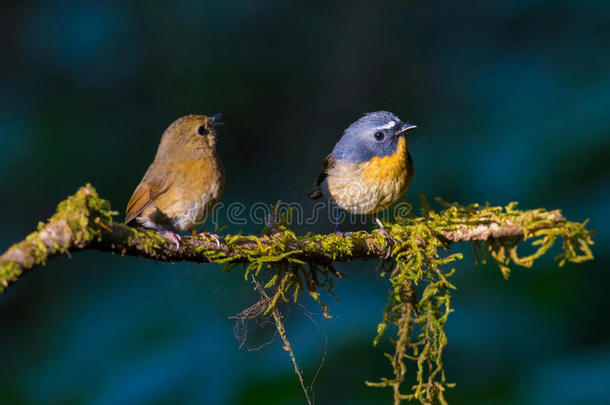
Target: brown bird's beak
[{"x": 215, "y": 122}]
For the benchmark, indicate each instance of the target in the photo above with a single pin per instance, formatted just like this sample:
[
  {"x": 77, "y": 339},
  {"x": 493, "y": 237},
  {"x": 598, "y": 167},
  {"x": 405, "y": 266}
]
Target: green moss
[
  {"x": 71, "y": 220},
  {"x": 417, "y": 262},
  {"x": 335, "y": 245},
  {"x": 153, "y": 241},
  {"x": 9, "y": 272}
]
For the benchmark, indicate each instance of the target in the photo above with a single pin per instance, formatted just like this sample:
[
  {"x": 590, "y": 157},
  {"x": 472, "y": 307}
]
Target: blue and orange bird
[{"x": 370, "y": 167}]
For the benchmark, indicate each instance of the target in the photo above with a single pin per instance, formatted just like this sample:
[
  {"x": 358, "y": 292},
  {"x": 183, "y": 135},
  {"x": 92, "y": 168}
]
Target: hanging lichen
[{"x": 417, "y": 263}]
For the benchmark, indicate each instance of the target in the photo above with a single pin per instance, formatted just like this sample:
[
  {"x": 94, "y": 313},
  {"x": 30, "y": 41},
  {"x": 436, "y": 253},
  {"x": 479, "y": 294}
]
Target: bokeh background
[{"x": 512, "y": 100}]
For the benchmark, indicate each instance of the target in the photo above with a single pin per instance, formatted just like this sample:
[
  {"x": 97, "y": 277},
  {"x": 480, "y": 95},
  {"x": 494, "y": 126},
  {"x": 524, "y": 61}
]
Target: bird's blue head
[{"x": 376, "y": 134}]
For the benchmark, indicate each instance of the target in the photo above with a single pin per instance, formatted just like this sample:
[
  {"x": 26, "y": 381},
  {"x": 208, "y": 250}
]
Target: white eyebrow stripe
[{"x": 389, "y": 125}]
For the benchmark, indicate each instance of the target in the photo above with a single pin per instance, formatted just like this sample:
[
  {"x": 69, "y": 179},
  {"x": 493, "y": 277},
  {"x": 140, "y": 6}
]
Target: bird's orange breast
[
  {"x": 387, "y": 168},
  {"x": 371, "y": 186}
]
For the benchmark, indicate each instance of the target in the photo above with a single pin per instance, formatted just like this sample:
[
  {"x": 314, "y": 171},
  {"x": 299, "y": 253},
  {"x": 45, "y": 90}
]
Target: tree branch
[{"x": 85, "y": 221}]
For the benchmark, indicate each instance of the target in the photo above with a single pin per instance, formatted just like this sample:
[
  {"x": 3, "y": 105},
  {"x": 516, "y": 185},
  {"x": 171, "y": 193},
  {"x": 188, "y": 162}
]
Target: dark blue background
[{"x": 512, "y": 100}]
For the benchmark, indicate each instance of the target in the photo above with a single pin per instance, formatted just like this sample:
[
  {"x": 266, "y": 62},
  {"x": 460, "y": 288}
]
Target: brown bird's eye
[
  {"x": 379, "y": 136},
  {"x": 202, "y": 130}
]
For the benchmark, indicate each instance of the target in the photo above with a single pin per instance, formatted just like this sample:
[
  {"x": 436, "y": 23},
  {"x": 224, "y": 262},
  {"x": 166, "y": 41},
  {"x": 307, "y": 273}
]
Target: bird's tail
[
  {"x": 315, "y": 193},
  {"x": 317, "y": 189}
]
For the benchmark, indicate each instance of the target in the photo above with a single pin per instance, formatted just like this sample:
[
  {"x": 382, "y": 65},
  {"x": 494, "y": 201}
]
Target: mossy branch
[
  {"x": 418, "y": 300},
  {"x": 85, "y": 221}
]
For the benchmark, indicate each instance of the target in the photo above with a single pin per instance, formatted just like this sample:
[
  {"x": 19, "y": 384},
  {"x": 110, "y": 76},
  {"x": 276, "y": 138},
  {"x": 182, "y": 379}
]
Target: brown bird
[{"x": 184, "y": 182}]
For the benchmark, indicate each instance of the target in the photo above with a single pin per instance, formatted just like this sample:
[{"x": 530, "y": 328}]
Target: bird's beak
[
  {"x": 216, "y": 117},
  {"x": 405, "y": 128}
]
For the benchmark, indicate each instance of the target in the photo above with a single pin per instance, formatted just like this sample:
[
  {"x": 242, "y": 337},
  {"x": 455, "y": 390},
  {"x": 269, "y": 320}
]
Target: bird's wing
[
  {"x": 145, "y": 193},
  {"x": 317, "y": 190}
]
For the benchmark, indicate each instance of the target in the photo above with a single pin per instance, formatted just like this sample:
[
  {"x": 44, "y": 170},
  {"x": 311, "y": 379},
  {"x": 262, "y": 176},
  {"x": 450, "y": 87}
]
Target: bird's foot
[
  {"x": 389, "y": 241},
  {"x": 174, "y": 237},
  {"x": 210, "y": 235},
  {"x": 339, "y": 233}
]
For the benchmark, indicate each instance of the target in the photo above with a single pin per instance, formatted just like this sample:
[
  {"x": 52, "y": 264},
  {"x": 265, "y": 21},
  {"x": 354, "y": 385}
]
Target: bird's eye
[
  {"x": 379, "y": 136},
  {"x": 202, "y": 130}
]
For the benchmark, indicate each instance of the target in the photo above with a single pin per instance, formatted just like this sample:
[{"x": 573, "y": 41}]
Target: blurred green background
[{"x": 512, "y": 100}]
